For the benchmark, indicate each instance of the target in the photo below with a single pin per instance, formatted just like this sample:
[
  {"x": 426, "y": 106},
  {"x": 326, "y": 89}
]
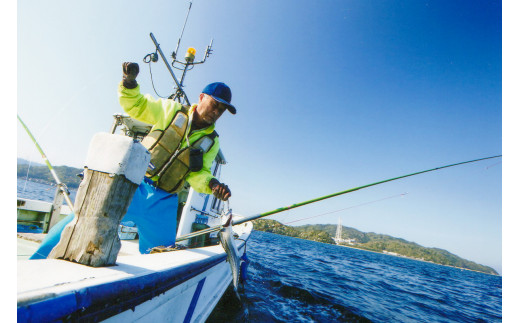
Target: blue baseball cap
[{"x": 221, "y": 93}]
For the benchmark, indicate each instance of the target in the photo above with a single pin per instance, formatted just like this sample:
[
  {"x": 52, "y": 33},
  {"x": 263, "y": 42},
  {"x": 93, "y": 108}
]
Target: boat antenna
[
  {"x": 174, "y": 54},
  {"x": 186, "y": 65},
  {"x": 60, "y": 184},
  {"x": 282, "y": 209}
]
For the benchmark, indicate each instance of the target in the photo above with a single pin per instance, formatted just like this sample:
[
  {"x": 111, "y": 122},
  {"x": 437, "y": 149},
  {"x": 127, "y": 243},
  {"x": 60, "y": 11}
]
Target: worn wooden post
[
  {"x": 55, "y": 212},
  {"x": 115, "y": 167}
]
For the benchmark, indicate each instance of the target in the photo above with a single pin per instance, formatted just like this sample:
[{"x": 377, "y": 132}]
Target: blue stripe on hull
[
  {"x": 194, "y": 300},
  {"x": 102, "y": 301}
]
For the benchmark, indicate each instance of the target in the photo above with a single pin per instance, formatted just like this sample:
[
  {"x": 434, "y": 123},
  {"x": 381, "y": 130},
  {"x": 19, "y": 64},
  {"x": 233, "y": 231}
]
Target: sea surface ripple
[{"x": 295, "y": 280}]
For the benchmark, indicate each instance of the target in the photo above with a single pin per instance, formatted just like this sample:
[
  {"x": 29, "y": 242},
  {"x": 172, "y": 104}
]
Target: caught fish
[{"x": 228, "y": 243}]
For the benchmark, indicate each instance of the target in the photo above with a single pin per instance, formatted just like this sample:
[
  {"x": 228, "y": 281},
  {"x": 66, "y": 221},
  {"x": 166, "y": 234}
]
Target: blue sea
[
  {"x": 295, "y": 280},
  {"x": 38, "y": 191}
]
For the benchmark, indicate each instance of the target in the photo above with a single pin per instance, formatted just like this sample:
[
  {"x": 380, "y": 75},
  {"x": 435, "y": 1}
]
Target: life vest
[{"x": 169, "y": 163}]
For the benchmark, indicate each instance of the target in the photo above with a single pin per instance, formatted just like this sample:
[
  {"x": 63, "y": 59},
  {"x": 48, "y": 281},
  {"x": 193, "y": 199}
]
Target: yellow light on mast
[{"x": 190, "y": 55}]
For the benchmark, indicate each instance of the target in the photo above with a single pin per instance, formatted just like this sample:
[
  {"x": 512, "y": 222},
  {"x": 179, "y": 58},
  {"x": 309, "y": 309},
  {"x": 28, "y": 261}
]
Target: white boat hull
[{"x": 178, "y": 286}]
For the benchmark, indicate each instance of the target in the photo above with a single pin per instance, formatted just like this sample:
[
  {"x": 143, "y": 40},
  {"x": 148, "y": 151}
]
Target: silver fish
[{"x": 228, "y": 243}]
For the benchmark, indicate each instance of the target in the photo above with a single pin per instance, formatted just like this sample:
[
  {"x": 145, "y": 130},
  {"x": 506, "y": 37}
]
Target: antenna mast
[
  {"x": 189, "y": 61},
  {"x": 174, "y": 54}
]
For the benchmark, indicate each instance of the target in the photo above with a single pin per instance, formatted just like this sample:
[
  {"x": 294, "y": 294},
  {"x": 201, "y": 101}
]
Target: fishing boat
[
  {"x": 181, "y": 284},
  {"x": 176, "y": 286},
  {"x": 175, "y": 283}
]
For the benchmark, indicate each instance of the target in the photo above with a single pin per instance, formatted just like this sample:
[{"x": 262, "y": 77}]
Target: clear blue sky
[{"x": 330, "y": 95}]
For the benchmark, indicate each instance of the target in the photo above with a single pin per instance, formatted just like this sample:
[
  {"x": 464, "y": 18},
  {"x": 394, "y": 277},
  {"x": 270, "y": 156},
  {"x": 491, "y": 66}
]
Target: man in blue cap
[{"x": 183, "y": 144}]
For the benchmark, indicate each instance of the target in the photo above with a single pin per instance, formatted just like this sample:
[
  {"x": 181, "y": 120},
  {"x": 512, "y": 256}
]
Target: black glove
[
  {"x": 220, "y": 190},
  {"x": 130, "y": 72}
]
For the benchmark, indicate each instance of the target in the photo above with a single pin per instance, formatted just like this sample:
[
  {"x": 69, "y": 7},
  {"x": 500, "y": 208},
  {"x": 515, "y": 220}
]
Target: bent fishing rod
[
  {"x": 282, "y": 209},
  {"x": 60, "y": 185}
]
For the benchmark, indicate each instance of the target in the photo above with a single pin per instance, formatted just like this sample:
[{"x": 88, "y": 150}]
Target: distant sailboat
[{"x": 338, "y": 238}]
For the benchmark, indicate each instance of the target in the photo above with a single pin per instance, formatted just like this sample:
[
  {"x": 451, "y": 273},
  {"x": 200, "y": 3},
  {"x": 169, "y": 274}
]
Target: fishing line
[
  {"x": 351, "y": 207},
  {"x": 46, "y": 126},
  {"x": 69, "y": 102},
  {"x": 500, "y": 162},
  {"x": 26, "y": 176},
  {"x": 282, "y": 209},
  {"x": 25, "y": 183},
  {"x": 54, "y": 117}
]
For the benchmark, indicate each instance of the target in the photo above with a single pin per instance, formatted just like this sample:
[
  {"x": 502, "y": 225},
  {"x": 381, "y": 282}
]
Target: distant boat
[{"x": 338, "y": 238}]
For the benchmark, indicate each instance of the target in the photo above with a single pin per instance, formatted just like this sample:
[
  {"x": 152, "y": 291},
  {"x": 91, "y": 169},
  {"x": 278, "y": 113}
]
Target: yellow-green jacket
[{"x": 159, "y": 113}]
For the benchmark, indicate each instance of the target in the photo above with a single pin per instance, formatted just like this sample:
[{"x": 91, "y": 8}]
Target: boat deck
[{"x": 27, "y": 243}]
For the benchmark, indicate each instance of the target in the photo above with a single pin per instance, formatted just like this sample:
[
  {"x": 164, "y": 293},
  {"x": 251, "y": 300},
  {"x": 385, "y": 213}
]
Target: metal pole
[
  {"x": 184, "y": 72},
  {"x": 169, "y": 68},
  {"x": 182, "y": 32}
]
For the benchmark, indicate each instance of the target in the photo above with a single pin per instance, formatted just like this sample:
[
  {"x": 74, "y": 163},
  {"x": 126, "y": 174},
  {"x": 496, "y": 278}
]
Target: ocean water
[
  {"x": 295, "y": 280},
  {"x": 38, "y": 191}
]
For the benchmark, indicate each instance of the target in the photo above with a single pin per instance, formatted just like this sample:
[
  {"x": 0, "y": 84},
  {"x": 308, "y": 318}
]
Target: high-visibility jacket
[{"x": 160, "y": 113}]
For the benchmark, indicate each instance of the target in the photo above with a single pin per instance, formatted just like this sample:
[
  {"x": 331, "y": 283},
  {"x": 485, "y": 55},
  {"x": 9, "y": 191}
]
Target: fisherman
[{"x": 183, "y": 144}]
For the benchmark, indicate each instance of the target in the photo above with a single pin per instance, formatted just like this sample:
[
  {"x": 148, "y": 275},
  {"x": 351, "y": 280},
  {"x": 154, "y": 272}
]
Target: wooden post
[
  {"x": 115, "y": 167},
  {"x": 55, "y": 209}
]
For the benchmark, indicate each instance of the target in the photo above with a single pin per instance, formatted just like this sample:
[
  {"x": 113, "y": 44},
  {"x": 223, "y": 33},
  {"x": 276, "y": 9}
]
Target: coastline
[
  {"x": 432, "y": 255},
  {"x": 416, "y": 259}
]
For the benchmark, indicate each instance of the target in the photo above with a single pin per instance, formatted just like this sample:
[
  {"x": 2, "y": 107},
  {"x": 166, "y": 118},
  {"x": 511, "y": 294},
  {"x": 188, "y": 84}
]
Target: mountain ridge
[
  {"x": 371, "y": 241},
  {"x": 41, "y": 174}
]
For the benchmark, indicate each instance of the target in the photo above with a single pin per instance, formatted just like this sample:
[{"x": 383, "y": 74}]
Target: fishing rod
[
  {"x": 282, "y": 209},
  {"x": 60, "y": 185}
]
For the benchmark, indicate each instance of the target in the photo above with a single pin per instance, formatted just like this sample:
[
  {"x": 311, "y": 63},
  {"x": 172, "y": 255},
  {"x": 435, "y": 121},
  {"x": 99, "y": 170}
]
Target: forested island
[
  {"x": 371, "y": 241},
  {"x": 41, "y": 174}
]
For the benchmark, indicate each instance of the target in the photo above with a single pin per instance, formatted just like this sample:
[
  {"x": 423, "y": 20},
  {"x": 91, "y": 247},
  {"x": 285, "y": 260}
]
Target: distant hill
[
  {"x": 286, "y": 230},
  {"x": 21, "y": 161},
  {"x": 40, "y": 173},
  {"x": 373, "y": 242}
]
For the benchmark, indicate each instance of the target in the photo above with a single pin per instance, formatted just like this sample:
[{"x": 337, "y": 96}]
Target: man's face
[{"x": 209, "y": 110}]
